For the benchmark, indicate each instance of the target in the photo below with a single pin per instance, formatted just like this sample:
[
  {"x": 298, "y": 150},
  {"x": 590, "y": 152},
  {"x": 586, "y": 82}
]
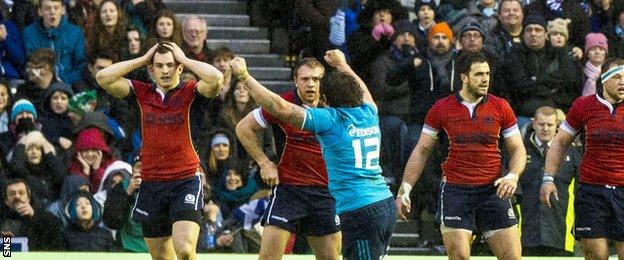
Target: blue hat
[{"x": 23, "y": 105}]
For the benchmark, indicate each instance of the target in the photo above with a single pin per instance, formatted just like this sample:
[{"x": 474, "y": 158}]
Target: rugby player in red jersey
[
  {"x": 170, "y": 197},
  {"x": 474, "y": 196},
  {"x": 599, "y": 200}
]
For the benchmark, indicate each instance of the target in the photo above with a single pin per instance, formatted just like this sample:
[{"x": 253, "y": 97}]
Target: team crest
[{"x": 189, "y": 199}]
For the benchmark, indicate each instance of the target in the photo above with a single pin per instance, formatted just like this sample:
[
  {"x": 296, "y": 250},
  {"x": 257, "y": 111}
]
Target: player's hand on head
[
  {"x": 150, "y": 53},
  {"x": 178, "y": 53},
  {"x": 335, "y": 58},
  {"x": 506, "y": 186},
  {"x": 547, "y": 190}
]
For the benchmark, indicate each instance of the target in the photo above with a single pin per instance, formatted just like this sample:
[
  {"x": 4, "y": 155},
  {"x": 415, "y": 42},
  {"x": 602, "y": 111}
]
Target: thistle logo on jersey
[
  {"x": 511, "y": 214},
  {"x": 189, "y": 199}
]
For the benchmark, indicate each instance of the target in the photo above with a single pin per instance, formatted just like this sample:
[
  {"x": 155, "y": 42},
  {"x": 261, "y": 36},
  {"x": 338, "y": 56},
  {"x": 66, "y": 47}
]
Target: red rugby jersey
[
  {"x": 474, "y": 157},
  {"x": 302, "y": 160},
  {"x": 604, "y": 139},
  {"x": 167, "y": 152}
]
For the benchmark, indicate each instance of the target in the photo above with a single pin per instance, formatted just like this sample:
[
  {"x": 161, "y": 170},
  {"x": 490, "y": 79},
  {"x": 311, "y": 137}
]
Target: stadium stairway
[{"x": 228, "y": 25}]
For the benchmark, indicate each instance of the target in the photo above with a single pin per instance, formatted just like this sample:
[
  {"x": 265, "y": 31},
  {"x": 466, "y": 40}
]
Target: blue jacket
[
  {"x": 12, "y": 55},
  {"x": 68, "y": 43}
]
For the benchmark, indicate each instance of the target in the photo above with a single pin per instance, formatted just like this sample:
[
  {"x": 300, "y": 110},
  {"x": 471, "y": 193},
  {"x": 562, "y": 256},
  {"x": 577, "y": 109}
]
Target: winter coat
[
  {"x": 91, "y": 138},
  {"x": 117, "y": 215},
  {"x": 34, "y": 93},
  {"x": 390, "y": 100},
  {"x": 76, "y": 238},
  {"x": 45, "y": 179},
  {"x": 56, "y": 125},
  {"x": 12, "y": 55},
  {"x": 68, "y": 43},
  {"x": 578, "y": 28},
  {"x": 71, "y": 186},
  {"x": 545, "y": 77},
  {"x": 43, "y": 230}
]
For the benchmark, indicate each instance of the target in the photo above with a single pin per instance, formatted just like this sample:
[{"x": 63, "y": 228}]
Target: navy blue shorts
[
  {"x": 475, "y": 208},
  {"x": 599, "y": 212},
  {"x": 366, "y": 232},
  {"x": 161, "y": 203},
  {"x": 304, "y": 210}
]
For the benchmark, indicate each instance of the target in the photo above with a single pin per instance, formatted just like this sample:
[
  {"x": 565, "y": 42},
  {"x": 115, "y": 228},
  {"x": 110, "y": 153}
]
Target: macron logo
[
  {"x": 189, "y": 199},
  {"x": 280, "y": 219},
  {"x": 453, "y": 218},
  {"x": 141, "y": 212}
]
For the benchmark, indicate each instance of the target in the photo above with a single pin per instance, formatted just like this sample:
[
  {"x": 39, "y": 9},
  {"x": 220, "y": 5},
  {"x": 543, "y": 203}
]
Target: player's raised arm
[
  {"x": 273, "y": 103},
  {"x": 247, "y": 132},
  {"x": 337, "y": 60},
  {"x": 111, "y": 78},
  {"x": 211, "y": 78}
]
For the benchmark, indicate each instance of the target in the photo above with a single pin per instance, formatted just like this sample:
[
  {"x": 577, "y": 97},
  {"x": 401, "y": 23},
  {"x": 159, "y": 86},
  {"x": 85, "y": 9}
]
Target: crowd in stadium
[{"x": 70, "y": 167}]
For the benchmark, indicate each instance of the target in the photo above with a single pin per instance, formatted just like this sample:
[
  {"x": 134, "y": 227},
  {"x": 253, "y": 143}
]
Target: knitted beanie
[
  {"x": 21, "y": 106},
  {"x": 596, "y": 39},
  {"x": 442, "y": 27},
  {"x": 559, "y": 26}
]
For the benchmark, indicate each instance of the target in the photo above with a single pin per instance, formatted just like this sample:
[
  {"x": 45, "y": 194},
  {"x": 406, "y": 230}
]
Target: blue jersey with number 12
[{"x": 350, "y": 140}]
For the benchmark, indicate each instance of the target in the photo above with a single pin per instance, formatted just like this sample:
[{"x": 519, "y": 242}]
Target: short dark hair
[
  {"x": 222, "y": 51},
  {"x": 43, "y": 55},
  {"x": 466, "y": 60},
  {"x": 162, "y": 50},
  {"x": 14, "y": 181},
  {"x": 341, "y": 90},
  {"x": 106, "y": 54},
  {"x": 309, "y": 62},
  {"x": 610, "y": 62}
]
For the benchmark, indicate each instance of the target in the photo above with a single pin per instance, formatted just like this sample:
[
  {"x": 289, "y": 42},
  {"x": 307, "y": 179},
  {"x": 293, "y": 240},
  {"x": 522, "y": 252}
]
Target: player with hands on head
[{"x": 170, "y": 202}]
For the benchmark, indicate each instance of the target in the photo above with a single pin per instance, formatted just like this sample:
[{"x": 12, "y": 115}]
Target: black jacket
[
  {"x": 95, "y": 240},
  {"x": 543, "y": 226},
  {"x": 43, "y": 230}
]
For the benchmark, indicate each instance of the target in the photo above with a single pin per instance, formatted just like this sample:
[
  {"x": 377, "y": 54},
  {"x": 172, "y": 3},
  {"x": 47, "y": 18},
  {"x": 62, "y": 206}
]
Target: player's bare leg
[
  {"x": 185, "y": 234},
  {"x": 326, "y": 247},
  {"x": 161, "y": 248},
  {"x": 595, "y": 248},
  {"x": 457, "y": 244},
  {"x": 273, "y": 243},
  {"x": 619, "y": 249},
  {"x": 506, "y": 244}
]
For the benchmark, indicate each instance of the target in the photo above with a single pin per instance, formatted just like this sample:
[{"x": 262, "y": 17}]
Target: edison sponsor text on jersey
[{"x": 361, "y": 132}]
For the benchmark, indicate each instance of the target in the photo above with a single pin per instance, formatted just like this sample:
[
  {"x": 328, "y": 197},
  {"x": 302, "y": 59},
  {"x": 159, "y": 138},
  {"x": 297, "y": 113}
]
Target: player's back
[{"x": 350, "y": 139}]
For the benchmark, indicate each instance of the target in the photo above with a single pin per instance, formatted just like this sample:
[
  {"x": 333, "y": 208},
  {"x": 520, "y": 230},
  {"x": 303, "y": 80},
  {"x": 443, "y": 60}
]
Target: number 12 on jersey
[{"x": 370, "y": 152}]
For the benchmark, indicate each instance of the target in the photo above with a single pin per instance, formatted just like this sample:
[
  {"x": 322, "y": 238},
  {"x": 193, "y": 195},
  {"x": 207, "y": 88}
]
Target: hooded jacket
[
  {"x": 12, "y": 55},
  {"x": 76, "y": 238},
  {"x": 71, "y": 186},
  {"x": 55, "y": 126},
  {"x": 117, "y": 166},
  {"x": 117, "y": 209},
  {"x": 91, "y": 138},
  {"x": 68, "y": 43}
]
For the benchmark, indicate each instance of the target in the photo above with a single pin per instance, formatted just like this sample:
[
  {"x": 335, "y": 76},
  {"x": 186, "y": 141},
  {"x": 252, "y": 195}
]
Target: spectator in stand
[
  {"x": 109, "y": 31},
  {"x": 40, "y": 71},
  {"x": 134, "y": 49},
  {"x": 195, "y": 33},
  {"x": 71, "y": 185},
  {"x": 35, "y": 160},
  {"x": 12, "y": 55},
  {"x": 23, "y": 121},
  {"x": 392, "y": 101},
  {"x": 117, "y": 172},
  {"x": 238, "y": 103},
  {"x": 509, "y": 30},
  {"x": 55, "y": 122},
  {"x": 558, "y": 37},
  {"x": 375, "y": 34},
  {"x": 552, "y": 9},
  {"x": 23, "y": 13},
  {"x": 596, "y": 50},
  {"x": 234, "y": 189},
  {"x": 221, "y": 60},
  {"x": 471, "y": 40},
  {"x": 6, "y": 102},
  {"x": 539, "y": 75},
  {"x": 83, "y": 13},
  {"x": 425, "y": 12},
  {"x": 116, "y": 109},
  {"x": 615, "y": 31},
  {"x": 19, "y": 217},
  {"x": 546, "y": 231},
  {"x": 117, "y": 212},
  {"x": 600, "y": 13},
  {"x": 220, "y": 157},
  {"x": 483, "y": 12},
  {"x": 430, "y": 77},
  {"x": 165, "y": 27},
  {"x": 92, "y": 157},
  {"x": 83, "y": 232},
  {"x": 66, "y": 39},
  {"x": 316, "y": 15},
  {"x": 141, "y": 12}
]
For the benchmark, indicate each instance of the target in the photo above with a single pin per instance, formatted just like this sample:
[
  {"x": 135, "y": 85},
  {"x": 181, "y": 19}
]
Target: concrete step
[
  {"x": 405, "y": 240},
  {"x": 278, "y": 86},
  {"x": 263, "y": 60},
  {"x": 207, "y": 7},
  {"x": 235, "y": 20},
  {"x": 413, "y": 251},
  {"x": 241, "y": 46},
  {"x": 236, "y": 32},
  {"x": 270, "y": 73}
]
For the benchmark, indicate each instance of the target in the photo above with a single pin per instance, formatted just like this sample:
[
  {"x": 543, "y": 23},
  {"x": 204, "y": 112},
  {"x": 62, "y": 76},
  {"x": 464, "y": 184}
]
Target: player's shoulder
[
  {"x": 445, "y": 102},
  {"x": 137, "y": 84},
  {"x": 496, "y": 99},
  {"x": 585, "y": 100},
  {"x": 291, "y": 96}
]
